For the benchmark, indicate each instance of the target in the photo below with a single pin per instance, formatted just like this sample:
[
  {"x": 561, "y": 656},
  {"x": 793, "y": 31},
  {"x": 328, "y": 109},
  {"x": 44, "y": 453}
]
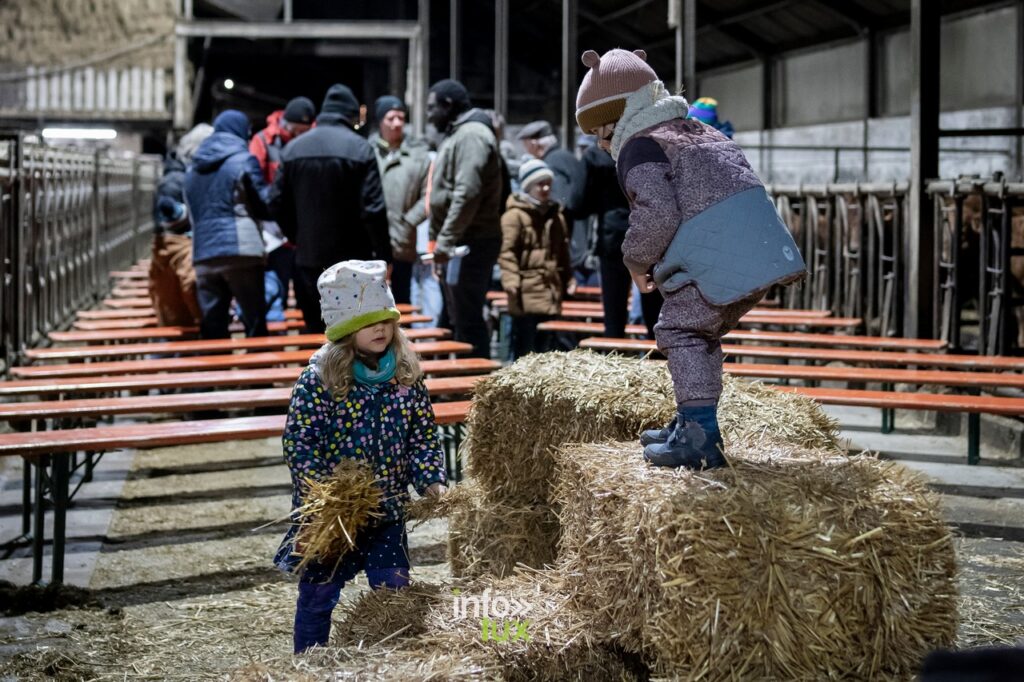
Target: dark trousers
[
  {"x": 615, "y": 287},
  {"x": 220, "y": 279},
  {"x": 307, "y": 297},
  {"x": 282, "y": 261},
  {"x": 466, "y": 281},
  {"x": 401, "y": 281},
  {"x": 525, "y": 339}
]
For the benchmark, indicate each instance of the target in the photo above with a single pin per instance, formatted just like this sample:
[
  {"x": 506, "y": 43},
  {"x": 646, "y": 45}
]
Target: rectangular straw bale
[
  {"x": 522, "y": 413},
  {"x": 790, "y": 564},
  {"x": 489, "y": 537}
]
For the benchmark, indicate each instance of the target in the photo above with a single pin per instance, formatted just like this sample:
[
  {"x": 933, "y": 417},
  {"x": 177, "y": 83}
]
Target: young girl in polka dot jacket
[{"x": 362, "y": 396}]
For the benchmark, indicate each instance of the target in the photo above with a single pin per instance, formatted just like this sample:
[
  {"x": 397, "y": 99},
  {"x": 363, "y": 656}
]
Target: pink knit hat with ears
[{"x": 612, "y": 78}]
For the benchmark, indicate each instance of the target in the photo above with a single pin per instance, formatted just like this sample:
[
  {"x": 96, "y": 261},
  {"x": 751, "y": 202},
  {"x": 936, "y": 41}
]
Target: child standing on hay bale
[
  {"x": 361, "y": 397},
  {"x": 534, "y": 258},
  {"x": 702, "y": 230}
]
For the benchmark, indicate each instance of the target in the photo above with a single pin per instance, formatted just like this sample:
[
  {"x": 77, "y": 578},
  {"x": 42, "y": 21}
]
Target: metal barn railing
[
  {"x": 980, "y": 262},
  {"x": 851, "y": 236},
  {"x": 67, "y": 218}
]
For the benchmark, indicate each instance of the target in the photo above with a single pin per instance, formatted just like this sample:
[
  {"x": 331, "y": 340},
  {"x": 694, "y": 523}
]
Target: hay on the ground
[
  {"x": 334, "y": 510},
  {"x": 789, "y": 564}
]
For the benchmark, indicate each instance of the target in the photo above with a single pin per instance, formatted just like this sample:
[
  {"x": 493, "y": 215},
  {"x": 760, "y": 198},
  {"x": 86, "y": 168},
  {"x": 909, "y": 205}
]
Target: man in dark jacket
[
  {"x": 465, "y": 208},
  {"x": 220, "y": 186},
  {"x": 327, "y": 199},
  {"x": 603, "y": 197}
]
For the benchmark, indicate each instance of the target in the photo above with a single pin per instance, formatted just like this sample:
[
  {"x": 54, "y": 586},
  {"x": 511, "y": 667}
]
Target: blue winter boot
[
  {"x": 695, "y": 443},
  {"x": 651, "y": 436}
]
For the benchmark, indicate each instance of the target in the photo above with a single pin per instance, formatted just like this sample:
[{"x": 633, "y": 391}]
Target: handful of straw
[{"x": 334, "y": 511}]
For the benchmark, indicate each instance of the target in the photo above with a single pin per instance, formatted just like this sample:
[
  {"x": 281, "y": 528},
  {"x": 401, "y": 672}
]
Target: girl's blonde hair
[{"x": 336, "y": 361}]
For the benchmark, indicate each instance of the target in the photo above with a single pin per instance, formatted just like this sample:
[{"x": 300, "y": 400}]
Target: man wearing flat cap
[{"x": 403, "y": 164}]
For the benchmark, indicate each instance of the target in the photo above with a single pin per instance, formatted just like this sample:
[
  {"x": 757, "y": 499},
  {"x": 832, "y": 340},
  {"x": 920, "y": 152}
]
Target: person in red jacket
[{"x": 283, "y": 126}]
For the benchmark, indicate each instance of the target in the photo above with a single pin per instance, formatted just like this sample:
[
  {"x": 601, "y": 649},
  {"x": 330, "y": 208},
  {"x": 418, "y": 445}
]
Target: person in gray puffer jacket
[{"x": 702, "y": 230}]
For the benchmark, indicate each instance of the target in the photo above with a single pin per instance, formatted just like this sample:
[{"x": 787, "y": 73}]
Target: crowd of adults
[{"x": 241, "y": 218}]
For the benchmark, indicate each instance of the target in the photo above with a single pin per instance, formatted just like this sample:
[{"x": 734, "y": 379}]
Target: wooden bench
[
  {"x": 761, "y": 336},
  {"x": 108, "y": 331},
  {"x": 973, "y": 405},
  {"x": 208, "y": 362},
  {"x": 206, "y": 346},
  {"x": 148, "y": 311},
  {"x": 208, "y": 379},
  {"x": 130, "y": 274},
  {"x": 124, "y": 291},
  {"x": 292, "y": 322},
  {"x": 127, "y": 303},
  {"x": 175, "y": 403},
  {"x": 749, "y": 319},
  {"x": 825, "y": 355},
  {"x": 52, "y": 457}
]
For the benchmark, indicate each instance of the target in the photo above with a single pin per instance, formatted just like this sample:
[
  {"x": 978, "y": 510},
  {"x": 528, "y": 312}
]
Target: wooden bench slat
[
  {"x": 853, "y": 356},
  {"x": 983, "y": 404},
  {"x": 105, "y": 331},
  {"x": 148, "y": 311},
  {"x": 160, "y": 434},
  {"x": 291, "y": 324},
  {"x": 807, "y": 338},
  {"x": 748, "y": 319},
  {"x": 207, "y": 345},
  {"x": 121, "y": 303},
  {"x": 874, "y": 375},
  {"x": 208, "y": 362},
  {"x": 211, "y": 379},
  {"x": 191, "y": 402}
]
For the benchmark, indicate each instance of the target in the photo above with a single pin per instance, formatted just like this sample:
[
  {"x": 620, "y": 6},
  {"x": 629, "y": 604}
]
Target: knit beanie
[
  {"x": 385, "y": 104},
  {"x": 705, "y": 110},
  {"x": 612, "y": 78},
  {"x": 300, "y": 110},
  {"x": 340, "y": 102},
  {"x": 532, "y": 172},
  {"x": 353, "y": 295},
  {"x": 452, "y": 90}
]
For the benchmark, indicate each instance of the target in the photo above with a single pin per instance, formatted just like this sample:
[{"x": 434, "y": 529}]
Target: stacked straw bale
[
  {"x": 789, "y": 564},
  {"x": 523, "y": 413}
]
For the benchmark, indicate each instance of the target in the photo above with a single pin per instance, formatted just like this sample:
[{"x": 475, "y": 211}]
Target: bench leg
[
  {"x": 38, "y": 519},
  {"x": 888, "y": 414},
  {"x": 59, "y": 482},
  {"x": 26, "y": 497},
  {"x": 973, "y": 438}
]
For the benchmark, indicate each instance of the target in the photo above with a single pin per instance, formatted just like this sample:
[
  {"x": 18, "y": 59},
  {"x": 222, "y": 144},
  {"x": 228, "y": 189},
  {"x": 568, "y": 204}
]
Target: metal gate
[{"x": 67, "y": 217}]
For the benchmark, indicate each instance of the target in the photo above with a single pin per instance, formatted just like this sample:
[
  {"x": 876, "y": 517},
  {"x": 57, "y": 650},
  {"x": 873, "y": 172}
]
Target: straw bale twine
[{"x": 789, "y": 564}]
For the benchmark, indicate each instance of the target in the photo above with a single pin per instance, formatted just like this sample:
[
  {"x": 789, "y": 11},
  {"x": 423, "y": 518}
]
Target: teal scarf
[{"x": 371, "y": 377}]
